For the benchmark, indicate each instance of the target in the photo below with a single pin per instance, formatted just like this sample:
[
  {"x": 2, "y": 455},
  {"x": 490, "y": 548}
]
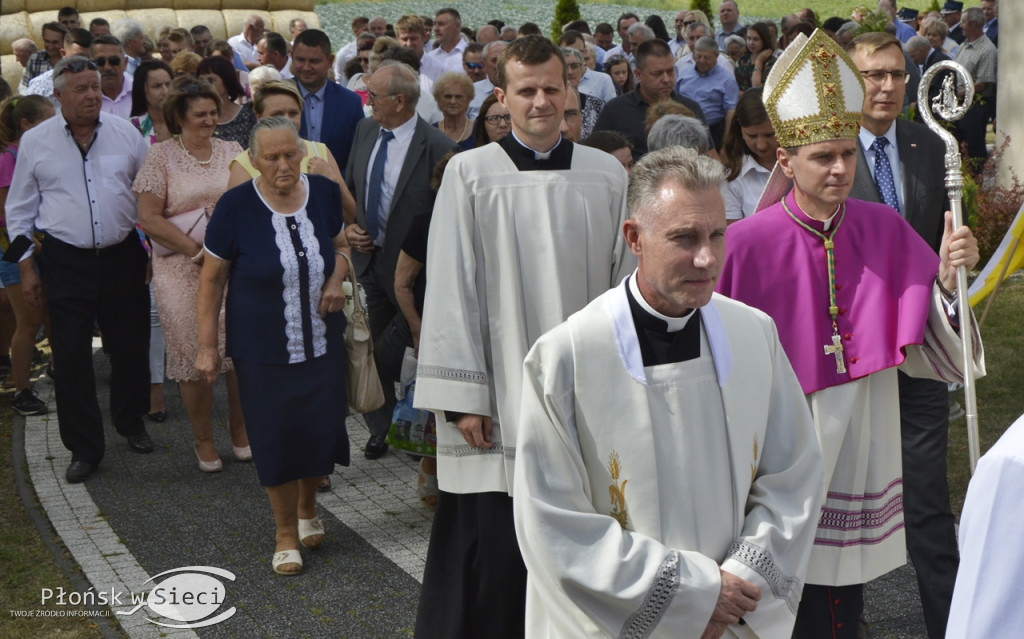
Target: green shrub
[
  {"x": 565, "y": 12},
  {"x": 705, "y": 6}
]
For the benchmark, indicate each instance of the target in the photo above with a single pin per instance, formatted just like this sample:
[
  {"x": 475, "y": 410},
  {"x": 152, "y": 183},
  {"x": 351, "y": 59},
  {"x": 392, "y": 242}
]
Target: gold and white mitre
[{"x": 814, "y": 93}]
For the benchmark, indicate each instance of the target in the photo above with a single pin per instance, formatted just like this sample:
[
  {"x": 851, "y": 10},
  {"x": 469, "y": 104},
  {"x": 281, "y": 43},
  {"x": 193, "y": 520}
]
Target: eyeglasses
[
  {"x": 190, "y": 89},
  {"x": 687, "y": 23},
  {"x": 373, "y": 96},
  {"x": 78, "y": 66},
  {"x": 574, "y": 66},
  {"x": 877, "y": 76},
  {"x": 113, "y": 61},
  {"x": 495, "y": 119},
  {"x": 475, "y": 66}
]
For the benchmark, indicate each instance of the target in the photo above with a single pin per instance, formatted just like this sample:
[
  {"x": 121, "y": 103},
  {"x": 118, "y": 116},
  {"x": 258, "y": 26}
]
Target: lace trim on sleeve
[
  {"x": 152, "y": 177},
  {"x": 757, "y": 559},
  {"x": 642, "y": 622}
]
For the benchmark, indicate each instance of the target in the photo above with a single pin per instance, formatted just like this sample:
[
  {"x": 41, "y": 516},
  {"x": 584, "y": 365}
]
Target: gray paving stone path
[{"x": 146, "y": 514}]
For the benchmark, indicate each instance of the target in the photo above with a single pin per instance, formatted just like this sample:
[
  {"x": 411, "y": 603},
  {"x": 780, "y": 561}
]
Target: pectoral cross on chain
[{"x": 836, "y": 348}]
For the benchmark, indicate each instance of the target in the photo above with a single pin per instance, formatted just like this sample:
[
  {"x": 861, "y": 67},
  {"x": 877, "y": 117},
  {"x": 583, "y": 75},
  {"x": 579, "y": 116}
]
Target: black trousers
[
  {"x": 970, "y": 130},
  {"x": 474, "y": 581},
  {"x": 931, "y": 538},
  {"x": 391, "y": 336},
  {"x": 829, "y": 612},
  {"x": 83, "y": 288}
]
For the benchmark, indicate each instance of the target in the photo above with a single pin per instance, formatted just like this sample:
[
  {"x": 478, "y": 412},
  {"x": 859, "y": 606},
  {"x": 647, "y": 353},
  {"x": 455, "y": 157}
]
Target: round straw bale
[
  {"x": 12, "y": 6},
  {"x": 292, "y": 5},
  {"x": 86, "y": 6},
  {"x": 46, "y": 6},
  {"x": 234, "y": 19},
  {"x": 283, "y": 18},
  {"x": 258, "y": 5},
  {"x": 148, "y": 4},
  {"x": 111, "y": 16},
  {"x": 152, "y": 20},
  {"x": 36, "y": 20},
  {"x": 188, "y": 18},
  {"x": 12, "y": 70},
  {"x": 13, "y": 27},
  {"x": 178, "y": 5}
]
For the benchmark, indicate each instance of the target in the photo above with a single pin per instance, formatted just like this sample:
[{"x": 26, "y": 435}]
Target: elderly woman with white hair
[
  {"x": 261, "y": 75},
  {"x": 453, "y": 92},
  {"x": 278, "y": 241}
]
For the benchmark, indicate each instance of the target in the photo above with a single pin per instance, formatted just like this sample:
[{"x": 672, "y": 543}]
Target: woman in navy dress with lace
[{"x": 274, "y": 242}]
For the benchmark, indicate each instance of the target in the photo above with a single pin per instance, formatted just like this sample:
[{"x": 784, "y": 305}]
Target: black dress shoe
[
  {"x": 79, "y": 471},
  {"x": 159, "y": 416},
  {"x": 141, "y": 443},
  {"x": 376, "y": 447}
]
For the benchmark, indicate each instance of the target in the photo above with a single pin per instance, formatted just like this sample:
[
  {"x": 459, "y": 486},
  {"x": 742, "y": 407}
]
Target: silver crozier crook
[{"x": 951, "y": 109}]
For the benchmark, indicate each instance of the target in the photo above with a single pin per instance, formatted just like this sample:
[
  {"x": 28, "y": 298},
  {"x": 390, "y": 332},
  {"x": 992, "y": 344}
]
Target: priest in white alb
[
  {"x": 668, "y": 476},
  {"x": 524, "y": 233},
  {"x": 855, "y": 293}
]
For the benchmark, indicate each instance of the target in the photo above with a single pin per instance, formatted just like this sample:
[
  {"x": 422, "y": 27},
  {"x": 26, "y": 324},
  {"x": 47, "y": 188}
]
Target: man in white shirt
[
  {"x": 448, "y": 43},
  {"x": 626, "y": 20},
  {"x": 107, "y": 53},
  {"x": 73, "y": 182},
  {"x": 485, "y": 87},
  {"x": 599, "y": 85},
  {"x": 664, "y": 486},
  {"x": 347, "y": 52},
  {"x": 273, "y": 50},
  {"x": 130, "y": 33},
  {"x": 244, "y": 43},
  {"x": 411, "y": 32}
]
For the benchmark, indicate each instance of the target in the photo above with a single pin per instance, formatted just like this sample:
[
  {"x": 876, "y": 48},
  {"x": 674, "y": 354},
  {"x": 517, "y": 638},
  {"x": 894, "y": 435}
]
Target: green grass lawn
[
  {"x": 26, "y": 566},
  {"x": 1000, "y": 400}
]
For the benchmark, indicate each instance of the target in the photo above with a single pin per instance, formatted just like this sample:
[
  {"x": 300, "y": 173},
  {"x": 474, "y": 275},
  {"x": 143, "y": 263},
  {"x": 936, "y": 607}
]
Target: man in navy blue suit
[{"x": 330, "y": 112}]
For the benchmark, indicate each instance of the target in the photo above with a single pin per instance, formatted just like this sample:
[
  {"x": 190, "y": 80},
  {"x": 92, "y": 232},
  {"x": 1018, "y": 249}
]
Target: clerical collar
[
  {"x": 558, "y": 158},
  {"x": 658, "y": 321},
  {"x": 820, "y": 225}
]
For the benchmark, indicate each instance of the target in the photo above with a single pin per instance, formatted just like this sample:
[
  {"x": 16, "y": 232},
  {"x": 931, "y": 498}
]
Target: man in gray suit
[
  {"x": 901, "y": 164},
  {"x": 389, "y": 170}
]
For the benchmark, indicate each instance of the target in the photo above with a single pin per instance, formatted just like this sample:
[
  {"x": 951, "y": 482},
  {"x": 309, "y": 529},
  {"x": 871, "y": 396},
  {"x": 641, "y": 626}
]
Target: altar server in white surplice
[
  {"x": 524, "y": 233},
  {"x": 668, "y": 477}
]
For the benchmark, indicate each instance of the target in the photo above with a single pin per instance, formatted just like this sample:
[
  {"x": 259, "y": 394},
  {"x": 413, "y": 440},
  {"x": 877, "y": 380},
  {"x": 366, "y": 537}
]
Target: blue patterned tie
[
  {"x": 376, "y": 181},
  {"x": 883, "y": 174}
]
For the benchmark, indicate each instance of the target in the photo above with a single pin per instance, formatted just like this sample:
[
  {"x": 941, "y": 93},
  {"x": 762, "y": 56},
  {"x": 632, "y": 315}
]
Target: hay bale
[
  {"x": 87, "y": 6},
  {"x": 179, "y": 5},
  {"x": 13, "y": 27},
  {"x": 12, "y": 70},
  {"x": 258, "y": 5},
  {"x": 36, "y": 21},
  {"x": 111, "y": 16},
  {"x": 45, "y": 6},
  {"x": 152, "y": 20},
  {"x": 292, "y": 5},
  {"x": 8, "y": 7},
  {"x": 189, "y": 18},
  {"x": 149, "y": 4},
  {"x": 282, "y": 18},
  {"x": 234, "y": 19}
]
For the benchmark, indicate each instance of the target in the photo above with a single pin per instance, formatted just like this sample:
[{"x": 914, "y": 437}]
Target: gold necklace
[{"x": 201, "y": 162}]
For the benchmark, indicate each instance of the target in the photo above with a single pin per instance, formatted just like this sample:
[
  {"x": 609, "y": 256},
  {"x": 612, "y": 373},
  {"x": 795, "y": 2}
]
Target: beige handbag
[{"x": 364, "y": 390}]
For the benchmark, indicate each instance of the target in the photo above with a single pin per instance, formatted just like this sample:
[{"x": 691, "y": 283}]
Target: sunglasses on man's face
[
  {"x": 78, "y": 66},
  {"x": 475, "y": 66},
  {"x": 113, "y": 61}
]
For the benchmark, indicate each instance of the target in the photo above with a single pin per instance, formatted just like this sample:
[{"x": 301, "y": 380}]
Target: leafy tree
[{"x": 565, "y": 12}]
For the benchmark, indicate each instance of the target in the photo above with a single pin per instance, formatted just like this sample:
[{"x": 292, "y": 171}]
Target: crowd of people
[{"x": 569, "y": 202}]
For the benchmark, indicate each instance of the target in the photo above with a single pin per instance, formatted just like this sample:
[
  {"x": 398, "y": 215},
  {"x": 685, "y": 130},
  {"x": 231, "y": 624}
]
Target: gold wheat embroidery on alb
[{"x": 617, "y": 491}]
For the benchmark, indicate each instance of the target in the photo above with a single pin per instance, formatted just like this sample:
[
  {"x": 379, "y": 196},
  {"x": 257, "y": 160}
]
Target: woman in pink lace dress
[{"x": 182, "y": 176}]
